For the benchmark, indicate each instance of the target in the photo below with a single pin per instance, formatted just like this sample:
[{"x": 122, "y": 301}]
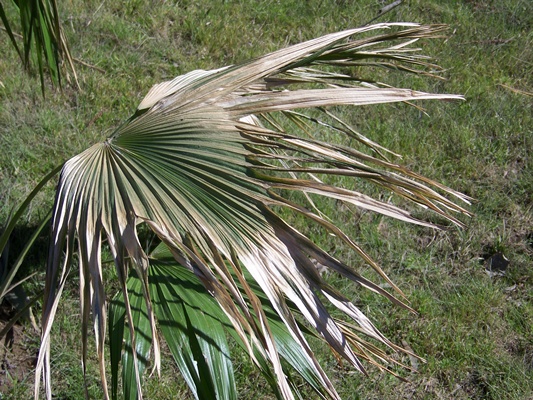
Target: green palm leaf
[
  {"x": 134, "y": 362},
  {"x": 195, "y": 328},
  {"x": 206, "y": 162}
]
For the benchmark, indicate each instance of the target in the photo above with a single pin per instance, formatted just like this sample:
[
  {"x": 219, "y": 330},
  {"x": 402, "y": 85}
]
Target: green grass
[{"x": 474, "y": 331}]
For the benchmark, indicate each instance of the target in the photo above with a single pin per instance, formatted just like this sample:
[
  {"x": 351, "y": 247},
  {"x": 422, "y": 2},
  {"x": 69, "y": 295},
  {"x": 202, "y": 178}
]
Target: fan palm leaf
[{"x": 206, "y": 162}]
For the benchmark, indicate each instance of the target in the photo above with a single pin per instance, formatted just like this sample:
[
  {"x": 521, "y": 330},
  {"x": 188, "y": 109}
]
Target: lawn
[{"x": 474, "y": 326}]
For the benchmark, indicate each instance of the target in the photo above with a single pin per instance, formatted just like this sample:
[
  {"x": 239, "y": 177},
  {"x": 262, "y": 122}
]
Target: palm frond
[
  {"x": 206, "y": 163},
  {"x": 42, "y": 35}
]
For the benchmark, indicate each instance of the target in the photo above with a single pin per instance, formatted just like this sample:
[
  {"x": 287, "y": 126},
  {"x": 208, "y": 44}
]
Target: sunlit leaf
[{"x": 206, "y": 163}]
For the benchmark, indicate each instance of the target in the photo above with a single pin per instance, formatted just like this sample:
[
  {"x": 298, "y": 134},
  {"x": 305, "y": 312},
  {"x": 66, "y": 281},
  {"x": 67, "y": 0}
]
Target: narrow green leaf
[
  {"x": 48, "y": 41},
  {"x": 43, "y": 39},
  {"x": 193, "y": 326},
  {"x": 5, "y": 284},
  {"x": 143, "y": 339},
  {"x": 7, "y": 26},
  {"x": 117, "y": 315},
  {"x": 121, "y": 348},
  {"x": 18, "y": 214}
]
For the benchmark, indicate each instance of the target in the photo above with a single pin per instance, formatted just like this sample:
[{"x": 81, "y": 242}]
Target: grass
[{"x": 474, "y": 330}]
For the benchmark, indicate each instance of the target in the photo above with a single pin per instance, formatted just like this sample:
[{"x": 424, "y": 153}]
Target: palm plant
[
  {"x": 210, "y": 162},
  {"x": 42, "y": 36}
]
